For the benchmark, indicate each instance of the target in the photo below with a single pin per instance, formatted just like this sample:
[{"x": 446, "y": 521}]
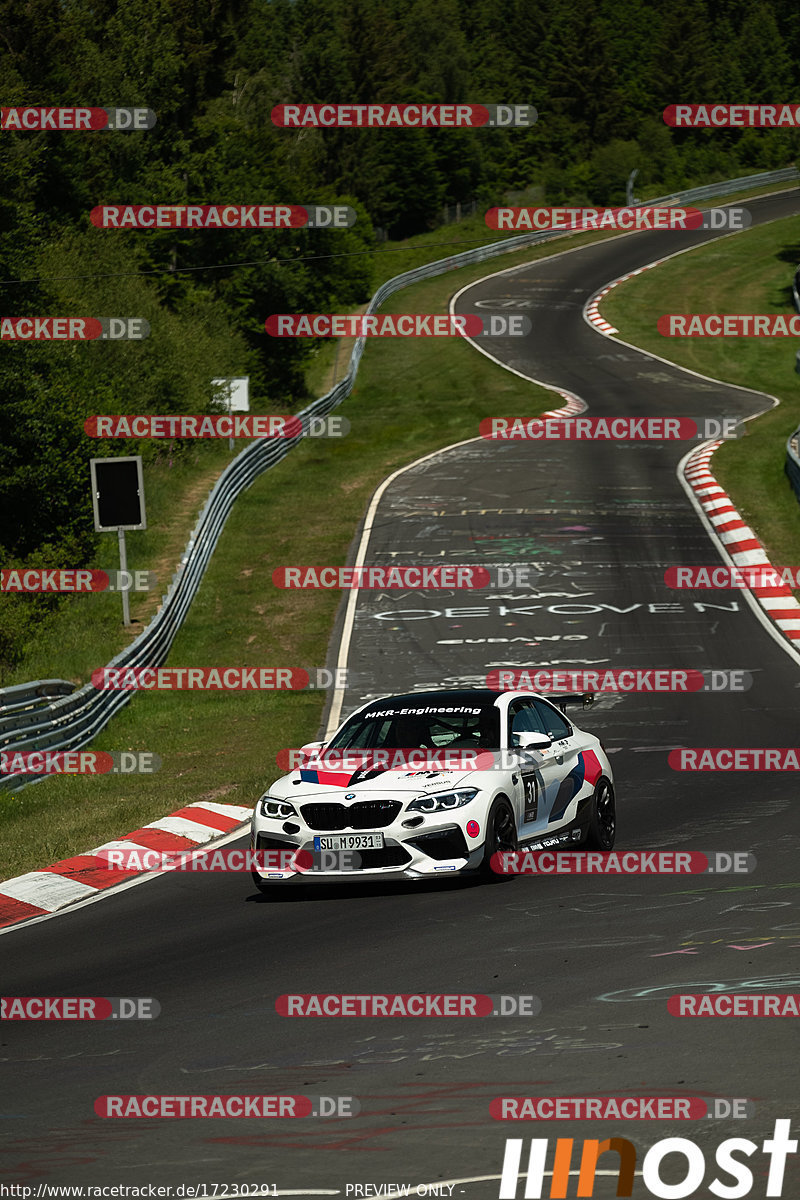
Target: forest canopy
[{"x": 600, "y": 77}]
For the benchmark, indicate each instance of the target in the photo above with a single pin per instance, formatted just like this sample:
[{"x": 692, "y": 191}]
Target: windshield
[{"x": 430, "y": 727}]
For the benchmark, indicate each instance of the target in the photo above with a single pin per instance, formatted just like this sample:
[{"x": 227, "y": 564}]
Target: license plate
[{"x": 350, "y": 841}]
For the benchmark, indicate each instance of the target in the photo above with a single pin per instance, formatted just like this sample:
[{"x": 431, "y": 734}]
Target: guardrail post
[{"x": 629, "y": 189}]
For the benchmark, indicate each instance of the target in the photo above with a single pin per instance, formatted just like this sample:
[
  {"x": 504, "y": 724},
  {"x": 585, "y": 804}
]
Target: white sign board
[{"x": 232, "y": 394}]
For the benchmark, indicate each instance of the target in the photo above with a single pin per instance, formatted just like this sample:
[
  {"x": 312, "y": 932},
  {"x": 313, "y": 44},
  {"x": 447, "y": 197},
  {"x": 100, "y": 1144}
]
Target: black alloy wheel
[
  {"x": 501, "y": 837},
  {"x": 602, "y": 830}
]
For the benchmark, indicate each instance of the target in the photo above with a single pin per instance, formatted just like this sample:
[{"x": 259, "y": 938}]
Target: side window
[
  {"x": 553, "y": 722},
  {"x": 522, "y": 718}
]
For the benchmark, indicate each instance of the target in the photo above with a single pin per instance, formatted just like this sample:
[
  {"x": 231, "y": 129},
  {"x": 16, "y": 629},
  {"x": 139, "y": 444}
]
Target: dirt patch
[
  {"x": 166, "y": 565},
  {"x": 344, "y": 348},
  {"x": 216, "y": 793}
]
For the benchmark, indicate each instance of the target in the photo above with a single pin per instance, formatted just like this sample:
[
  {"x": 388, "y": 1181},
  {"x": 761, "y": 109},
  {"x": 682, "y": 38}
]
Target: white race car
[{"x": 434, "y": 783}]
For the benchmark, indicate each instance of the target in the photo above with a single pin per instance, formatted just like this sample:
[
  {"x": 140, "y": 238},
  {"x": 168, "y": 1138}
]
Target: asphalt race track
[{"x": 599, "y": 522}]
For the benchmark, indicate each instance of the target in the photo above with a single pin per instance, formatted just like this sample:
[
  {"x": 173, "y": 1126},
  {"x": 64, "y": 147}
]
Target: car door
[
  {"x": 538, "y": 776},
  {"x": 568, "y": 774}
]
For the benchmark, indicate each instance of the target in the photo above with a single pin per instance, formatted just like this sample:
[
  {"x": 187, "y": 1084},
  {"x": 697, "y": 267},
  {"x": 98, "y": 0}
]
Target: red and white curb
[
  {"x": 592, "y": 309},
  {"x": 739, "y": 541},
  {"x": 86, "y": 875},
  {"x": 573, "y": 406}
]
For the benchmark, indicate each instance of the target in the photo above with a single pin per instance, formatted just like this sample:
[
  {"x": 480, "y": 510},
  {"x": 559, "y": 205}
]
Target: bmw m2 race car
[{"x": 434, "y": 783}]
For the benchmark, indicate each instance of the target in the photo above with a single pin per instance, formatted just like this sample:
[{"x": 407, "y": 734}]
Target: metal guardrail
[
  {"x": 726, "y": 186},
  {"x": 72, "y": 722},
  {"x": 792, "y": 465},
  {"x": 27, "y": 695}
]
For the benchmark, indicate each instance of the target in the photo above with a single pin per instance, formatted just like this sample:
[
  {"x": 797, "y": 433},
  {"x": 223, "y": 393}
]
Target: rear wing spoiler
[{"x": 585, "y": 699}]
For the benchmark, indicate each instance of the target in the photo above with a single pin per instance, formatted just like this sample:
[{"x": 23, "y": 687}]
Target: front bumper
[{"x": 422, "y": 853}]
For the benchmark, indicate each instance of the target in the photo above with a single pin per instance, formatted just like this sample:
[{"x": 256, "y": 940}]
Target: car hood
[{"x": 334, "y": 784}]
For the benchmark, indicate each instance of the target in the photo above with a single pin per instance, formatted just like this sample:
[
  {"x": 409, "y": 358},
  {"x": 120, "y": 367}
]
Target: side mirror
[
  {"x": 311, "y": 747},
  {"x": 533, "y": 741}
]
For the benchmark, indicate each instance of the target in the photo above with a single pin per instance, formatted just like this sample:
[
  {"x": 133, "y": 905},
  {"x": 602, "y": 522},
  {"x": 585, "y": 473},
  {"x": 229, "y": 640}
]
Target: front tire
[
  {"x": 501, "y": 836},
  {"x": 602, "y": 830}
]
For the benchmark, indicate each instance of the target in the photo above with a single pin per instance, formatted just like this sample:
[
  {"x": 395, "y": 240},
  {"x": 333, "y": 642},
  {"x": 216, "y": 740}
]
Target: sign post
[{"x": 118, "y": 504}]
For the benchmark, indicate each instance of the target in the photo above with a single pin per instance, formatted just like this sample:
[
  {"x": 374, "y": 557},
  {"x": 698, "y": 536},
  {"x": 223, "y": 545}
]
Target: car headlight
[
  {"x": 442, "y": 801},
  {"x": 277, "y": 809}
]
